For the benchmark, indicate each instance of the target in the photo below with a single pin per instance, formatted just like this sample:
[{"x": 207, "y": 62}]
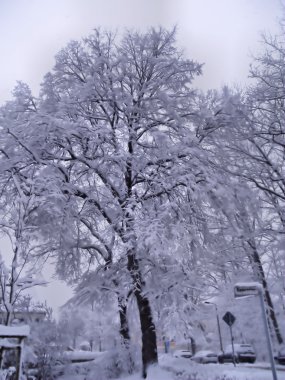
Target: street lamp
[
  {"x": 254, "y": 289},
  {"x": 218, "y": 323}
]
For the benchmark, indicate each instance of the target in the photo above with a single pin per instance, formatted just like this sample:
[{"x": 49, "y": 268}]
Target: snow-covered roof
[{"x": 14, "y": 331}]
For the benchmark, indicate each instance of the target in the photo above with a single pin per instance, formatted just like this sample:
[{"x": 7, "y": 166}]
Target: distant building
[{"x": 24, "y": 316}]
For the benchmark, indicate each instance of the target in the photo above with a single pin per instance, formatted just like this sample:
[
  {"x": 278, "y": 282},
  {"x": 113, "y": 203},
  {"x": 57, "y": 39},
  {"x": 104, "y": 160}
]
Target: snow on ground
[
  {"x": 171, "y": 368},
  {"x": 216, "y": 371},
  {"x": 158, "y": 373},
  {"x": 183, "y": 369},
  {"x": 154, "y": 373}
]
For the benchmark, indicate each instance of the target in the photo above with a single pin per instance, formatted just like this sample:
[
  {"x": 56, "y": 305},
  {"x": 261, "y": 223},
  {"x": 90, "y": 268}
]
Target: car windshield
[
  {"x": 239, "y": 347},
  {"x": 203, "y": 353}
]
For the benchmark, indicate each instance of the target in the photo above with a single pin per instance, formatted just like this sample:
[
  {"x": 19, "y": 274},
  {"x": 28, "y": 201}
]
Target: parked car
[
  {"x": 182, "y": 354},
  {"x": 280, "y": 357},
  {"x": 205, "y": 357},
  {"x": 243, "y": 353}
]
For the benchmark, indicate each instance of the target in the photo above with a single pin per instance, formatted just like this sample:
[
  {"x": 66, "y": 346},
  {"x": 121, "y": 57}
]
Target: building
[{"x": 25, "y": 316}]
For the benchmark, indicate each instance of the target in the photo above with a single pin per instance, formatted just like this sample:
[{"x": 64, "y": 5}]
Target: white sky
[{"x": 220, "y": 33}]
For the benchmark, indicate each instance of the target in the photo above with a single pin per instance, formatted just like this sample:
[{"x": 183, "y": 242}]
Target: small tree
[{"x": 71, "y": 325}]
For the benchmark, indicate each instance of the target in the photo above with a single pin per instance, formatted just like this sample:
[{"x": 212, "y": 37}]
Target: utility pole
[{"x": 218, "y": 324}]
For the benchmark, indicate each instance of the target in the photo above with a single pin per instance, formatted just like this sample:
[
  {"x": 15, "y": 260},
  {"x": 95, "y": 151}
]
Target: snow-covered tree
[
  {"x": 16, "y": 219},
  {"x": 233, "y": 135},
  {"x": 112, "y": 119},
  {"x": 71, "y": 326},
  {"x": 140, "y": 188}
]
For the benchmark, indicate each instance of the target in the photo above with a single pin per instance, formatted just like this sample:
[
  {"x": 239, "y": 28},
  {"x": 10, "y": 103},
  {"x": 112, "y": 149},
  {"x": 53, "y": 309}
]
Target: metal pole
[
  {"x": 218, "y": 323},
  {"x": 219, "y": 329},
  {"x": 269, "y": 344},
  {"x": 233, "y": 349}
]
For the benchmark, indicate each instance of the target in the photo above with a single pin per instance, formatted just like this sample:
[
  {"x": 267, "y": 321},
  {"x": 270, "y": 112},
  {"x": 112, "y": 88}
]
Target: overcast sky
[{"x": 221, "y": 33}]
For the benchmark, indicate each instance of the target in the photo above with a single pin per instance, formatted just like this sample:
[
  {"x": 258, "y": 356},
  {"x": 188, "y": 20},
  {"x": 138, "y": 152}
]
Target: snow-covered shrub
[{"x": 114, "y": 363}]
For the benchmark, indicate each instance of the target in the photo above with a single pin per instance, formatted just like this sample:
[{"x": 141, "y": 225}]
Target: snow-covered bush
[{"x": 112, "y": 364}]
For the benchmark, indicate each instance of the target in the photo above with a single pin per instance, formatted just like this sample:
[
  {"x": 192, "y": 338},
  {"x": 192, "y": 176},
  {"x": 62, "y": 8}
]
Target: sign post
[{"x": 229, "y": 318}]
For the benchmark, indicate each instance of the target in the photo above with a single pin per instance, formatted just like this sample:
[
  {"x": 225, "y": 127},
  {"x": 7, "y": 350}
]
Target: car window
[{"x": 238, "y": 348}]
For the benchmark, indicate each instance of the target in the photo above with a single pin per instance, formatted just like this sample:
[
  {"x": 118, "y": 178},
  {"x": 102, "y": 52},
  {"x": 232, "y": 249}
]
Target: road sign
[
  {"x": 247, "y": 289},
  {"x": 229, "y": 318}
]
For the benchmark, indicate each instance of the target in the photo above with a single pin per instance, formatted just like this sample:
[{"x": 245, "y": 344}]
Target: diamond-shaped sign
[{"x": 229, "y": 318}]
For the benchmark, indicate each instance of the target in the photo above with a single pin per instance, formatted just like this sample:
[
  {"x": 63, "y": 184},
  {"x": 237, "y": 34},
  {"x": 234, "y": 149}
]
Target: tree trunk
[
  {"x": 193, "y": 345},
  {"x": 258, "y": 269},
  {"x": 125, "y": 334},
  {"x": 124, "y": 326},
  {"x": 149, "y": 347},
  {"x": 100, "y": 344}
]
